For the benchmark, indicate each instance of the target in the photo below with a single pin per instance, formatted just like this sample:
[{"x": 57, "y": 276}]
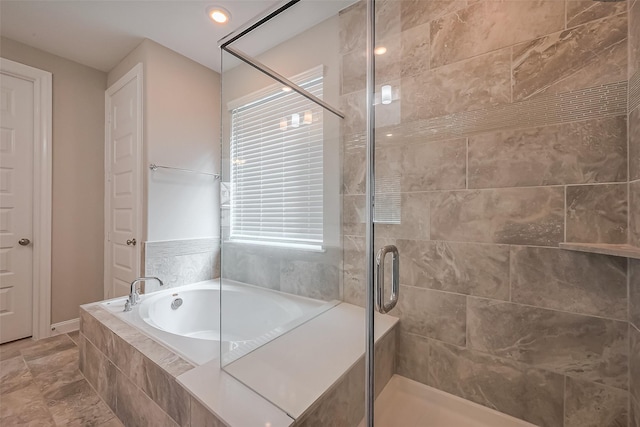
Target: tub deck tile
[{"x": 135, "y": 408}]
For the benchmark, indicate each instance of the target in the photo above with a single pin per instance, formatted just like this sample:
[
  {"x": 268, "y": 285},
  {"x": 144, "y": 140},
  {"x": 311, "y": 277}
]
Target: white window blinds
[{"x": 277, "y": 166}]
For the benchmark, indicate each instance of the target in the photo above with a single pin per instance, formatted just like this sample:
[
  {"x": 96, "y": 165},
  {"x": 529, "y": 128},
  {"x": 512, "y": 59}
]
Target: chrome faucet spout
[{"x": 134, "y": 294}]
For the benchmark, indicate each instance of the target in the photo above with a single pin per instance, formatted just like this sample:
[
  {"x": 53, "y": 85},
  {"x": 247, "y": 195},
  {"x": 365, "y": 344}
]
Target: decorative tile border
[
  {"x": 182, "y": 262},
  {"x": 634, "y": 91},
  {"x": 583, "y": 104},
  {"x": 181, "y": 247}
]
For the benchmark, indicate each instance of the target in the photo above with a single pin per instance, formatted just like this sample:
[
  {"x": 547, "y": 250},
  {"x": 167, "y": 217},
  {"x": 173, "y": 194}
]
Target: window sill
[{"x": 291, "y": 246}]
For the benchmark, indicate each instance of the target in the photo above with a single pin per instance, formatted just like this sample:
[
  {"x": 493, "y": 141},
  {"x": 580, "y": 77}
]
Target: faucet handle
[{"x": 127, "y": 305}]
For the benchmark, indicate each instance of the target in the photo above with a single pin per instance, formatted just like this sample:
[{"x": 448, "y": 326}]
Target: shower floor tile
[
  {"x": 40, "y": 384},
  {"x": 407, "y": 403}
]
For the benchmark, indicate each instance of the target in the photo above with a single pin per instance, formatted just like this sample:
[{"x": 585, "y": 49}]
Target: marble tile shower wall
[{"x": 491, "y": 309}]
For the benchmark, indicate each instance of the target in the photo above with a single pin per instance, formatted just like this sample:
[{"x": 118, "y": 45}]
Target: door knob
[
  {"x": 24, "y": 242},
  {"x": 131, "y": 242}
]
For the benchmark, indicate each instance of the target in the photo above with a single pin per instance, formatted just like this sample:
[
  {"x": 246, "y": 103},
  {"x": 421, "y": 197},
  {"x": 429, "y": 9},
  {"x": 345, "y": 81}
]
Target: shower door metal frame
[
  {"x": 280, "y": 78},
  {"x": 255, "y": 22},
  {"x": 224, "y": 44},
  {"x": 370, "y": 192}
]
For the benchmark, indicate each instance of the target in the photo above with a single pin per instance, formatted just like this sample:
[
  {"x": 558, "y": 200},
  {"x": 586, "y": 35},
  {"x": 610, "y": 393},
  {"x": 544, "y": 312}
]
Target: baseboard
[{"x": 65, "y": 327}]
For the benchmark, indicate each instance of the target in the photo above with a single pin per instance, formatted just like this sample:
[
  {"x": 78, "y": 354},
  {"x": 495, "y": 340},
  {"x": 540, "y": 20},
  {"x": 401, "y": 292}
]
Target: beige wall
[
  {"x": 78, "y": 177},
  {"x": 181, "y": 129}
]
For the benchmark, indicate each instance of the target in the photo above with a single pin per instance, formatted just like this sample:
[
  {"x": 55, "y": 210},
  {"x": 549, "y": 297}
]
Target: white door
[
  {"x": 16, "y": 207},
  {"x": 123, "y": 152}
]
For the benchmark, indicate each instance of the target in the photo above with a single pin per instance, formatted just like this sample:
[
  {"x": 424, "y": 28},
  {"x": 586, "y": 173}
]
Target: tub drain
[{"x": 176, "y": 303}]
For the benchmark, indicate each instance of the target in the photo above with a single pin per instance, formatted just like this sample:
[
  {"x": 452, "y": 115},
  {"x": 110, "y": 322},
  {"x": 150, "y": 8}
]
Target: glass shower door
[
  {"x": 274, "y": 131},
  {"x": 284, "y": 328},
  {"x": 503, "y": 135}
]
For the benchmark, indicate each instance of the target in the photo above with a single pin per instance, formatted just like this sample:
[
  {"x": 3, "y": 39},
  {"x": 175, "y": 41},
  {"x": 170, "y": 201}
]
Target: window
[{"x": 277, "y": 166}]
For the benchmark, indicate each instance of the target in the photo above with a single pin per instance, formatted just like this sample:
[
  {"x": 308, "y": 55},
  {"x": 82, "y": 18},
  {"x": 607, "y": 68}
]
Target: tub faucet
[{"x": 134, "y": 295}]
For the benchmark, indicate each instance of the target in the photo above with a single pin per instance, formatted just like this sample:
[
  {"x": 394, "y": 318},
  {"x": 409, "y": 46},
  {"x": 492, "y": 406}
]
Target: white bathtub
[{"x": 251, "y": 316}]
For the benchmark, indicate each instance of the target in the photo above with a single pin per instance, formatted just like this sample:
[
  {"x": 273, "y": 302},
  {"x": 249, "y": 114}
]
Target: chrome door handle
[
  {"x": 395, "y": 279},
  {"x": 24, "y": 242},
  {"x": 131, "y": 242}
]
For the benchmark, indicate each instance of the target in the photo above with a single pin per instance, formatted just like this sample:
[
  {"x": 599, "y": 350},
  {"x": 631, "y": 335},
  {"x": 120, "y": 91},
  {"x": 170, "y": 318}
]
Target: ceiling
[{"x": 100, "y": 33}]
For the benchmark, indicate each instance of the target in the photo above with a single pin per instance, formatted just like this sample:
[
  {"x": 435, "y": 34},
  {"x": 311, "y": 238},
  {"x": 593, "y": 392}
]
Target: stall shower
[{"x": 506, "y": 174}]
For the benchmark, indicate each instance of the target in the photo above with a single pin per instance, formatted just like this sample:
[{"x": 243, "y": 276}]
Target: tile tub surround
[
  {"x": 181, "y": 262},
  {"x": 305, "y": 273},
  {"x": 137, "y": 378},
  {"x": 502, "y": 151},
  {"x": 42, "y": 385}
]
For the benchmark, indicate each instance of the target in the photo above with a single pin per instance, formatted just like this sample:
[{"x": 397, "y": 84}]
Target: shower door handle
[{"x": 395, "y": 279}]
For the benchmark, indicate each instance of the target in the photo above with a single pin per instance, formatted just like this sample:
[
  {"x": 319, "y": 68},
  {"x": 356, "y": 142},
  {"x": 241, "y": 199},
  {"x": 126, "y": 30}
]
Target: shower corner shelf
[{"x": 621, "y": 250}]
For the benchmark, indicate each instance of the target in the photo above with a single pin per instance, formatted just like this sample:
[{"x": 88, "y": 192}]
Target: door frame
[
  {"x": 42, "y": 190},
  {"x": 135, "y": 73}
]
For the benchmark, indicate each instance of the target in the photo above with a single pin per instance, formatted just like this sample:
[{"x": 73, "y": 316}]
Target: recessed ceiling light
[
  {"x": 286, "y": 89},
  {"x": 218, "y": 14},
  {"x": 380, "y": 50}
]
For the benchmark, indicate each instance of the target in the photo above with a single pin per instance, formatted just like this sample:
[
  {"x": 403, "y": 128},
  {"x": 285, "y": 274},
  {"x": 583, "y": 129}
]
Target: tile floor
[{"x": 41, "y": 385}]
